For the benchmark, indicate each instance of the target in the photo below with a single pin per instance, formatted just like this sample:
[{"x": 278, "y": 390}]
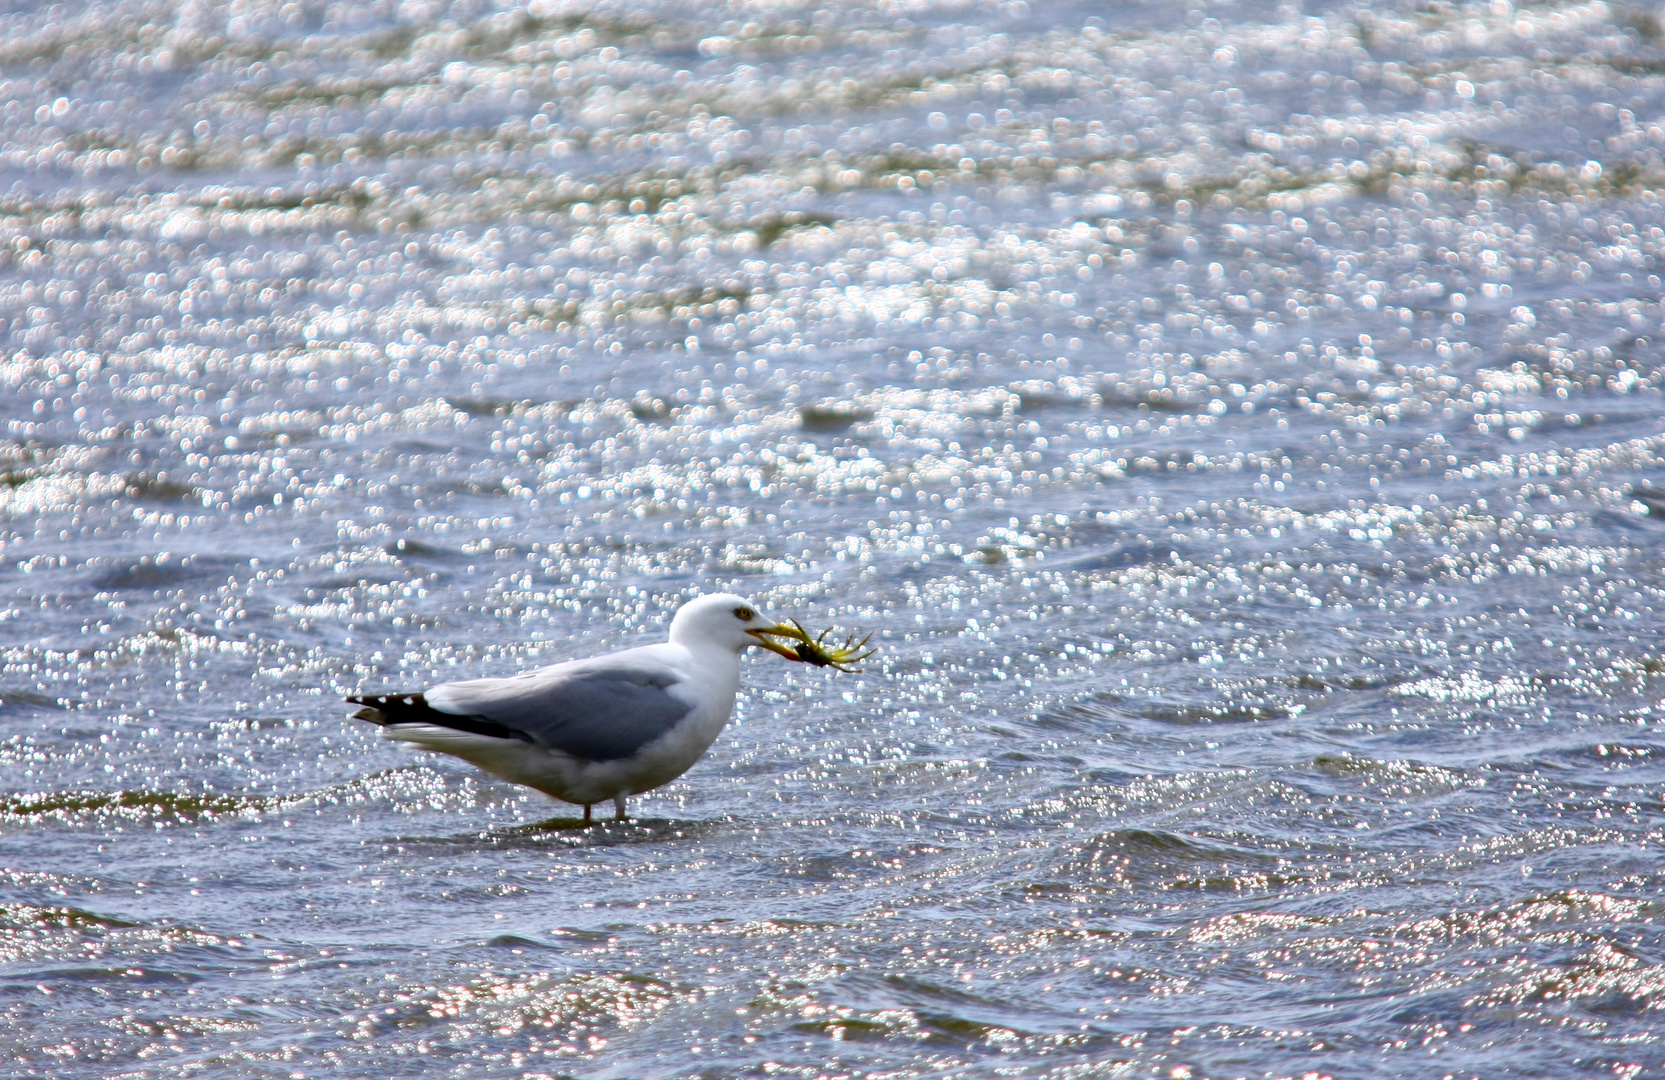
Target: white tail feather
[{"x": 448, "y": 740}]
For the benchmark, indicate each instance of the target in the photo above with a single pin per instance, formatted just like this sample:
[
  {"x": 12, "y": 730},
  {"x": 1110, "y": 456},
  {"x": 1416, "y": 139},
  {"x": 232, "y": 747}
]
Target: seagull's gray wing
[{"x": 599, "y": 710}]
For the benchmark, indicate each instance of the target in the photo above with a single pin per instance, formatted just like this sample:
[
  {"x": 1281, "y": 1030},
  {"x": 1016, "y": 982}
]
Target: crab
[{"x": 814, "y": 650}]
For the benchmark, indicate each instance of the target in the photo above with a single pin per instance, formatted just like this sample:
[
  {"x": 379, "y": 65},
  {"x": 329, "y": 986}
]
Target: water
[{"x": 1240, "y": 424}]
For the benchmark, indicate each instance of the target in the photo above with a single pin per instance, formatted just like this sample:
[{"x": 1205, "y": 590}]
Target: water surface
[{"x": 1240, "y": 424}]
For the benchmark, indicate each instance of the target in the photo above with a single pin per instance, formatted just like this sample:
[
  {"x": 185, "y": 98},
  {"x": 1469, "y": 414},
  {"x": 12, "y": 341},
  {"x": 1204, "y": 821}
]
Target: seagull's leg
[
  {"x": 618, "y": 808},
  {"x": 586, "y": 813}
]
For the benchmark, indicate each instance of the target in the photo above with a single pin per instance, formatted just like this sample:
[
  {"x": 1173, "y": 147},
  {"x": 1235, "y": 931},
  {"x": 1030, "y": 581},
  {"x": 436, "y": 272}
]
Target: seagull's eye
[{"x": 744, "y": 614}]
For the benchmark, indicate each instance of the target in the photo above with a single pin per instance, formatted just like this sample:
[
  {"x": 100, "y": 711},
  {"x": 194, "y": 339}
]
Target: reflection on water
[{"x": 1241, "y": 424}]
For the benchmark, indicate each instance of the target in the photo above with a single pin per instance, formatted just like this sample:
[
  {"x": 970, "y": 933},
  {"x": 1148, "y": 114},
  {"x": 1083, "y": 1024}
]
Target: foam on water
[{"x": 1240, "y": 424}]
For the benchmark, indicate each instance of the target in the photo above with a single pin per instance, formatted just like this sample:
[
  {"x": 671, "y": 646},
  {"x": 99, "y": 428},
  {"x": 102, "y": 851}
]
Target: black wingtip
[
  {"x": 377, "y": 701},
  {"x": 386, "y": 710}
]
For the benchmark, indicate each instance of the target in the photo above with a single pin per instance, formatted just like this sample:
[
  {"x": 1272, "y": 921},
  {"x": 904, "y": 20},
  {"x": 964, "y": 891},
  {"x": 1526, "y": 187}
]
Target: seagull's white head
[{"x": 730, "y": 622}]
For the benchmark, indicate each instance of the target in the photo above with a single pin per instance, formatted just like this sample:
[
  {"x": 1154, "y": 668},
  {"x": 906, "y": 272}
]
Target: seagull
[{"x": 608, "y": 727}]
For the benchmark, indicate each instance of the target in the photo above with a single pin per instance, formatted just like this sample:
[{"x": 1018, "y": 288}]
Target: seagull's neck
[
  {"x": 690, "y": 638},
  {"x": 706, "y": 663},
  {"x": 707, "y": 652},
  {"x": 710, "y": 652}
]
